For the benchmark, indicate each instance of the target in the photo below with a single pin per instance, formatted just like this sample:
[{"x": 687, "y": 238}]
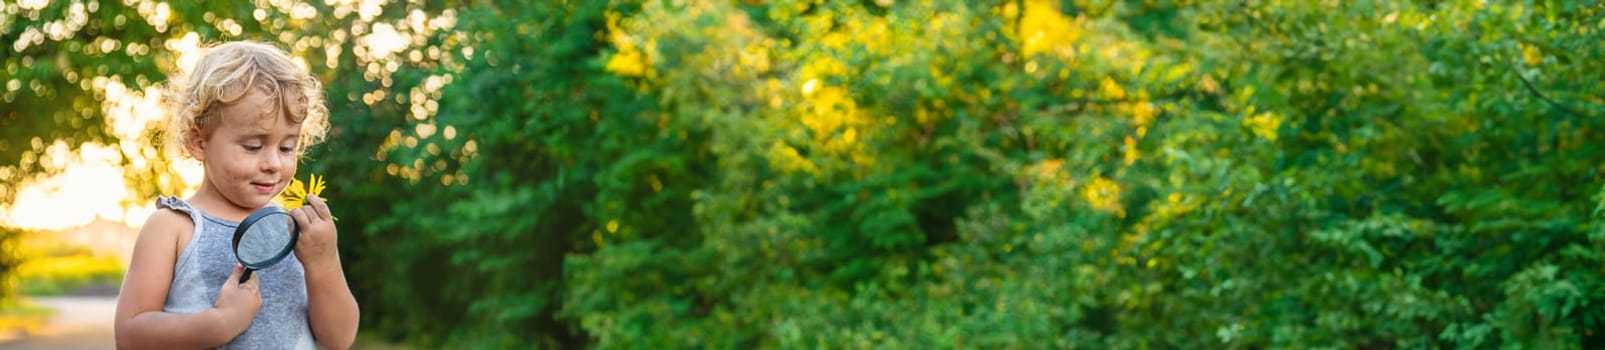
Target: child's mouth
[{"x": 263, "y": 188}]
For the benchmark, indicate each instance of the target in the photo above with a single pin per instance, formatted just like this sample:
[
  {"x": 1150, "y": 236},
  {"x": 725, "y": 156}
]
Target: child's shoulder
[
  {"x": 162, "y": 237},
  {"x": 167, "y": 221}
]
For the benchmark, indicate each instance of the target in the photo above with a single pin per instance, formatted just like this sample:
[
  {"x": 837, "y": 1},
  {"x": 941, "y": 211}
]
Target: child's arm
[
  {"x": 140, "y": 322},
  {"x": 331, "y": 309}
]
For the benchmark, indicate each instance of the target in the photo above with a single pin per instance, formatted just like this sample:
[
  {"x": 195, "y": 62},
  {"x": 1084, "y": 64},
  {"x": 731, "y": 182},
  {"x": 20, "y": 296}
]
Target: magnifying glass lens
[{"x": 264, "y": 240}]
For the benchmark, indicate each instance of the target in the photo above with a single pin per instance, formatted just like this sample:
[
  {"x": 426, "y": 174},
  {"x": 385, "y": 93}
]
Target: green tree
[{"x": 926, "y": 174}]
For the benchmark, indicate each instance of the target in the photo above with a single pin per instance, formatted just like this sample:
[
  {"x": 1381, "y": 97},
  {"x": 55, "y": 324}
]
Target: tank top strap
[
  {"x": 195, "y": 215},
  {"x": 166, "y": 202}
]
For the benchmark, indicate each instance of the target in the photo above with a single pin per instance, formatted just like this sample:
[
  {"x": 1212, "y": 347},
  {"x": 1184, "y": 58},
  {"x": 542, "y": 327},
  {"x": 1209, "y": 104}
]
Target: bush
[{"x": 950, "y": 174}]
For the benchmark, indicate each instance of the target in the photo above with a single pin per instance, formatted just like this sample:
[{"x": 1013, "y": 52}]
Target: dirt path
[{"x": 85, "y": 322}]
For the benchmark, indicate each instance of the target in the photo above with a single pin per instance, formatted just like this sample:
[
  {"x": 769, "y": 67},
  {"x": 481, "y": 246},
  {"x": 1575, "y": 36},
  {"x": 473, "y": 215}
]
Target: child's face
[{"x": 251, "y": 155}]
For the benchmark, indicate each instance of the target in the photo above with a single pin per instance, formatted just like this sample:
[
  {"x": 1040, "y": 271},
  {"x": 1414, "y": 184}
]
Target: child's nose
[{"x": 271, "y": 163}]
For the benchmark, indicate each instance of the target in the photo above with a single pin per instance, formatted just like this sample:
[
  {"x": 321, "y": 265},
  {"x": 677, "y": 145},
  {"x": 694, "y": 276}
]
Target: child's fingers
[
  {"x": 301, "y": 217},
  {"x": 320, "y": 206},
  {"x": 234, "y": 278},
  {"x": 251, "y": 284}
]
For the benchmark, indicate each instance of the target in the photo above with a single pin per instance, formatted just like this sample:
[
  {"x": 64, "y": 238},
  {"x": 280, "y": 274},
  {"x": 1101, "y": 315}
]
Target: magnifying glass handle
[{"x": 246, "y": 276}]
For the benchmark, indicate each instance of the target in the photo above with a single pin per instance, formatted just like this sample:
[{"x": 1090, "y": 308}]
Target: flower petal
[
  {"x": 317, "y": 184},
  {"x": 288, "y": 201},
  {"x": 293, "y": 195},
  {"x": 296, "y": 188}
]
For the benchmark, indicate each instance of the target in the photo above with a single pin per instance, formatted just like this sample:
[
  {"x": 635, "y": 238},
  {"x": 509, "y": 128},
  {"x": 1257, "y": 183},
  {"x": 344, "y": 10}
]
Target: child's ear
[{"x": 195, "y": 144}]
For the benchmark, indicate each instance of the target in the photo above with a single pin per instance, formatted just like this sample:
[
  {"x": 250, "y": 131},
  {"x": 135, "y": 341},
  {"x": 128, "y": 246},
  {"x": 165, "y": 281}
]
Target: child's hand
[
  {"x": 238, "y": 303},
  {"x": 317, "y": 246}
]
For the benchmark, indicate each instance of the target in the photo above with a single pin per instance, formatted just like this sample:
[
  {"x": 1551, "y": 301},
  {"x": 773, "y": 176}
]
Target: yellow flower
[{"x": 295, "y": 195}]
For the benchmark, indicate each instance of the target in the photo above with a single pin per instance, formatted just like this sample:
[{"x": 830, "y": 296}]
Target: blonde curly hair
[{"x": 226, "y": 73}]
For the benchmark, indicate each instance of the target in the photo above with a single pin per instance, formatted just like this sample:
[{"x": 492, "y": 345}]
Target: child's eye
[
  {"x": 287, "y": 149},
  {"x": 252, "y": 148}
]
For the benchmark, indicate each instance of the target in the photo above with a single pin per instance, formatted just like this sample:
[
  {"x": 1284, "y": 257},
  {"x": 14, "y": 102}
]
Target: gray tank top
[{"x": 208, "y": 260}]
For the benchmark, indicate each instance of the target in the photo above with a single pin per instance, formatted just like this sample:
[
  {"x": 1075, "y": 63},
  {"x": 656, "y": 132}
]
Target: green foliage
[
  {"x": 1113, "y": 175},
  {"x": 9, "y": 251},
  {"x": 49, "y": 266},
  {"x": 942, "y": 174}
]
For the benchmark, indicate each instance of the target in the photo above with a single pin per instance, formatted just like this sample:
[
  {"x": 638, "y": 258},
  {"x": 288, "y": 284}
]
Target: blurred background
[{"x": 886, "y": 173}]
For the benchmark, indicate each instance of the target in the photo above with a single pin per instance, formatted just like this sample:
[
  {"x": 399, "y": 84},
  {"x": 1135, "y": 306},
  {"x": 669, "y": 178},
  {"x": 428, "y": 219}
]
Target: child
[{"x": 246, "y": 113}]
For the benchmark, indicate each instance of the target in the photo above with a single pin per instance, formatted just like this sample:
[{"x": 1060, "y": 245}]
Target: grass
[
  {"x": 54, "y": 275},
  {"x": 46, "y": 265},
  {"x": 369, "y": 342},
  {"x": 18, "y": 318},
  {"x": 52, "y": 267}
]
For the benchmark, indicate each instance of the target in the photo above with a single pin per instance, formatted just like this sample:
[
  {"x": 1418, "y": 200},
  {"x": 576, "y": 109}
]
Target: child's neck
[{"x": 209, "y": 200}]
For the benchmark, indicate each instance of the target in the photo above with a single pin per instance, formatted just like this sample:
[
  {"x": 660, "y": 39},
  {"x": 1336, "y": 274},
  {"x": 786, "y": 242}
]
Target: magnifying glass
[{"x": 264, "y": 238}]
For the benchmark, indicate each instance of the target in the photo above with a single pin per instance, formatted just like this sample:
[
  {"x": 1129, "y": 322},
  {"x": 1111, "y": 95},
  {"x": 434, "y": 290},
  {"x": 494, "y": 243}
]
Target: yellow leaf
[
  {"x": 1103, "y": 195},
  {"x": 1265, "y": 125},
  {"x": 1531, "y": 55}
]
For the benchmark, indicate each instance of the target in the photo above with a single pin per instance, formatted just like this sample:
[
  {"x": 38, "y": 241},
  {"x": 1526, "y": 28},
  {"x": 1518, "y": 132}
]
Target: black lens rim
[{"x": 258, "y": 215}]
